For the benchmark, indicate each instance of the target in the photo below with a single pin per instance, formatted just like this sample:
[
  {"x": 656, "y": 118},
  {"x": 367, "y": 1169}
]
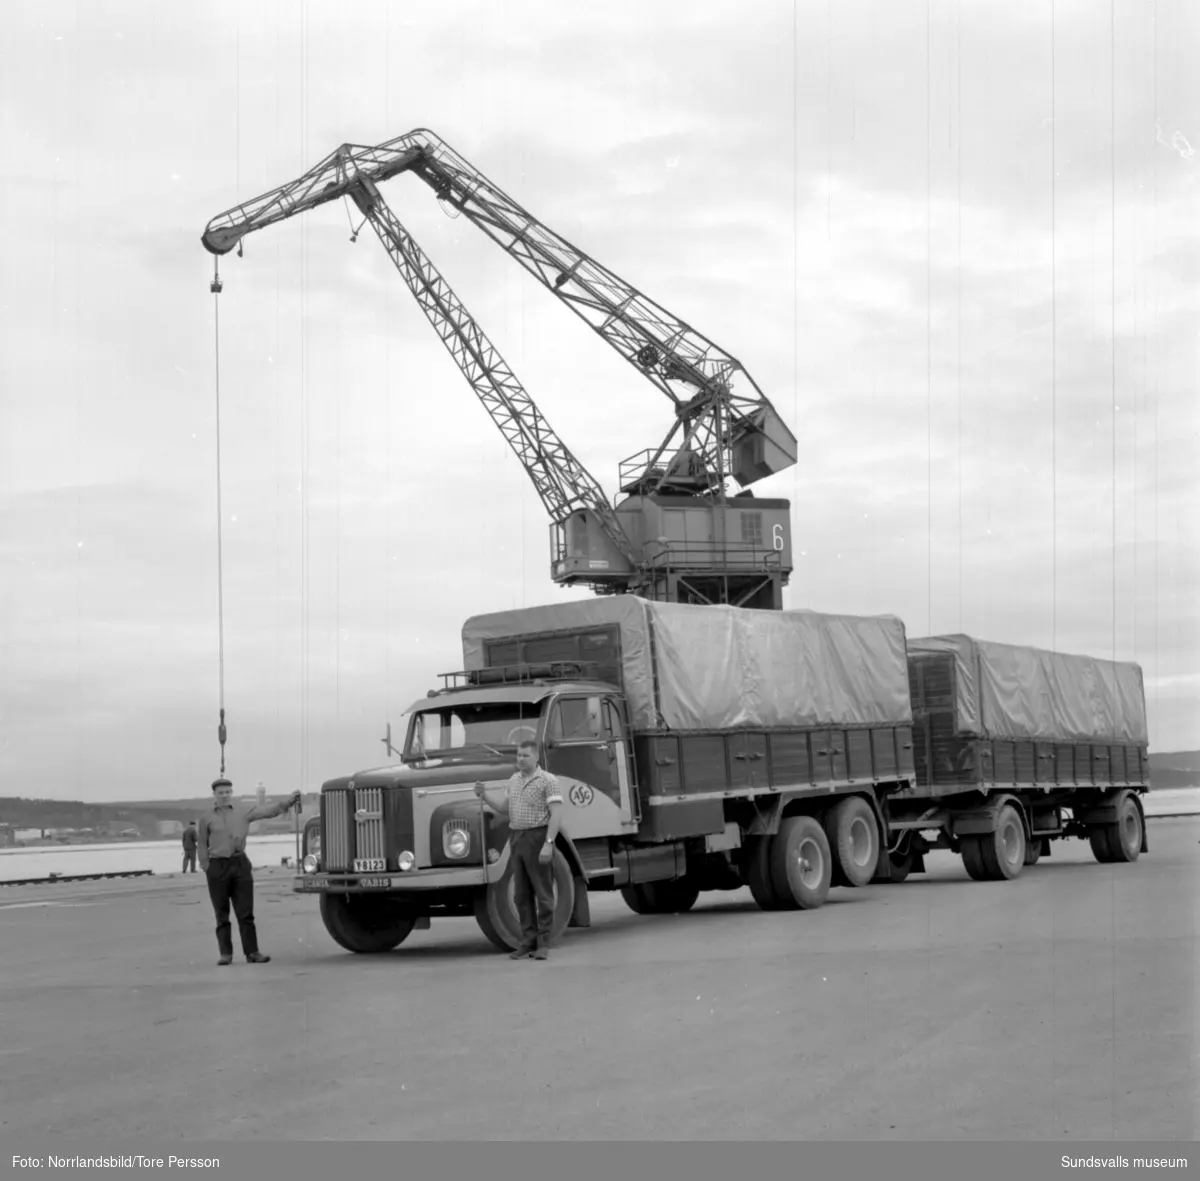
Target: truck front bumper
[{"x": 417, "y": 879}]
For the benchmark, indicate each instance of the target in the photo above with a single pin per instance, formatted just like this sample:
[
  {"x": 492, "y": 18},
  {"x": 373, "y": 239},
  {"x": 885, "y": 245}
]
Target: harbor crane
[{"x": 677, "y": 535}]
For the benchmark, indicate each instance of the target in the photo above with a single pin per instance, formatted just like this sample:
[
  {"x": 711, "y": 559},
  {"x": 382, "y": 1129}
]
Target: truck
[
  {"x": 697, "y": 748},
  {"x": 704, "y": 748}
]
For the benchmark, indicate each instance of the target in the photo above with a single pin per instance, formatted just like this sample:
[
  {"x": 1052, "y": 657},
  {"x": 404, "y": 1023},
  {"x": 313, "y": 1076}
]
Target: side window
[
  {"x": 611, "y": 721},
  {"x": 569, "y": 722}
]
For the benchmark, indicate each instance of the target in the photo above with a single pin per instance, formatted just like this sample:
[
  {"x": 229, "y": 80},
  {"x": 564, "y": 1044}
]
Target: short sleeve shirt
[{"x": 529, "y": 799}]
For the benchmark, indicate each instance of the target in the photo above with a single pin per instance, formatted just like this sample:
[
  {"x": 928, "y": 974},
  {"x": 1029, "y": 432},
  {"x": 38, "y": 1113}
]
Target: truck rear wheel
[
  {"x": 365, "y": 923},
  {"x": 854, "y": 840},
  {"x": 1033, "y": 851},
  {"x": 1121, "y": 840},
  {"x": 673, "y": 897},
  {"x": 757, "y": 868},
  {"x": 496, "y": 906},
  {"x": 801, "y": 864}
]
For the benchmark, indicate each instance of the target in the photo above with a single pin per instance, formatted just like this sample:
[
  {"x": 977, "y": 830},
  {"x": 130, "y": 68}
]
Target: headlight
[
  {"x": 406, "y": 861},
  {"x": 455, "y": 841},
  {"x": 310, "y": 863}
]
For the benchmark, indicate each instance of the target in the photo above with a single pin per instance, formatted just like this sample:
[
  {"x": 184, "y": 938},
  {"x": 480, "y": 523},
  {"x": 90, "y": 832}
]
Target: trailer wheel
[
  {"x": 1098, "y": 839},
  {"x": 365, "y": 923},
  {"x": 757, "y": 867},
  {"x": 496, "y": 907},
  {"x": 800, "y": 863},
  {"x": 854, "y": 839},
  {"x": 1123, "y": 838},
  {"x": 673, "y": 897},
  {"x": 1000, "y": 854},
  {"x": 971, "y": 849}
]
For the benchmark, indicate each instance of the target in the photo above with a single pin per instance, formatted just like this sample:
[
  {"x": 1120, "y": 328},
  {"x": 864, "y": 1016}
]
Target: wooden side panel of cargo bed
[{"x": 789, "y": 757}]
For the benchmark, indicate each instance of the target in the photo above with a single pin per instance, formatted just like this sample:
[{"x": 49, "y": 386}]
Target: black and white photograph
[{"x": 597, "y": 588}]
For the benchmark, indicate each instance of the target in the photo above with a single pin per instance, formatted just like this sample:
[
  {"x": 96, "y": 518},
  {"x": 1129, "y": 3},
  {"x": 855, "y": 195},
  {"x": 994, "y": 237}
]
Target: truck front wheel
[
  {"x": 365, "y": 923},
  {"x": 496, "y": 907}
]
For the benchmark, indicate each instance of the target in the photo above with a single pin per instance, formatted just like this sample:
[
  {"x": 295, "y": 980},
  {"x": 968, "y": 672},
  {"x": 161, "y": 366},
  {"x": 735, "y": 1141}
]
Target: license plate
[
  {"x": 313, "y": 884},
  {"x": 370, "y": 865},
  {"x": 375, "y": 883}
]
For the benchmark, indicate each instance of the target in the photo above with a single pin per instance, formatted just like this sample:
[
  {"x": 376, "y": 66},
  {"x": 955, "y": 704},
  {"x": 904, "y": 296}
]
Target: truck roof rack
[{"x": 521, "y": 674}]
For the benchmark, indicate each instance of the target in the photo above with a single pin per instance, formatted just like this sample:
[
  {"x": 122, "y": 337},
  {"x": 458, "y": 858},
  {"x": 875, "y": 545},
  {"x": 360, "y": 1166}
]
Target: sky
[{"x": 954, "y": 243}]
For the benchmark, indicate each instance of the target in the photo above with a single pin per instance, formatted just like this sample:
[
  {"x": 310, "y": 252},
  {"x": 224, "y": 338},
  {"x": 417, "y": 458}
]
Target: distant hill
[
  {"x": 1180, "y": 760},
  {"x": 143, "y": 815}
]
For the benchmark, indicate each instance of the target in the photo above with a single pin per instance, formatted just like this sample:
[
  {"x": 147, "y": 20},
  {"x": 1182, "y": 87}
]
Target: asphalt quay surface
[{"x": 1059, "y": 1006}]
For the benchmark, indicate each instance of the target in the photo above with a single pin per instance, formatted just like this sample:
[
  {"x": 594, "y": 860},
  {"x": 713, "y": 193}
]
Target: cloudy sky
[{"x": 955, "y": 243}]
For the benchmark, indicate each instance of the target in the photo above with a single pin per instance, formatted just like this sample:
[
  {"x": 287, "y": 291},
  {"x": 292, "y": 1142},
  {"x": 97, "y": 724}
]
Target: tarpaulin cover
[
  {"x": 718, "y": 668},
  {"x": 1010, "y": 692}
]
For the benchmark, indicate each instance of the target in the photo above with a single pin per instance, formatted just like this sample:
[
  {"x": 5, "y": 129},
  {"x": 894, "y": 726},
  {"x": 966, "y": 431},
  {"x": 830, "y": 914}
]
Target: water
[
  {"x": 167, "y": 856},
  {"x": 160, "y": 856}
]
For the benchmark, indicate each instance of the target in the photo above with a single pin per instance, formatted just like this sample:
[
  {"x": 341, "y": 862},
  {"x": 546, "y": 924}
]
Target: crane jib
[{"x": 718, "y": 433}]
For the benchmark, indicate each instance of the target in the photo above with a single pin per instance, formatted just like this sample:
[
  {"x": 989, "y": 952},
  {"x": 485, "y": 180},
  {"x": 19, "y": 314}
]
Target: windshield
[{"x": 448, "y": 729}]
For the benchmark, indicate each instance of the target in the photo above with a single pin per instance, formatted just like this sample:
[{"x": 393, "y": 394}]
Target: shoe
[
  {"x": 257, "y": 957},
  {"x": 541, "y": 954},
  {"x": 225, "y": 961},
  {"x": 519, "y": 954}
]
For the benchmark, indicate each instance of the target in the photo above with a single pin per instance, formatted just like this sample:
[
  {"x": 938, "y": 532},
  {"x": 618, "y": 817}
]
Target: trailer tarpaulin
[
  {"x": 716, "y": 668},
  {"x": 1011, "y": 692}
]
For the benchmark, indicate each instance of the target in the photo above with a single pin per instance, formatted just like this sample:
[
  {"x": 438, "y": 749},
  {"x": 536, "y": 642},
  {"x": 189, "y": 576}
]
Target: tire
[
  {"x": 496, "y": 908},
  {"x": 673, "y": 897},
  {"x": 365, "y": 923},
  {"x": 1033, "y": 851},
  {"x": 801, "y": 863},
  {"x": 853, "y": 837},
  {"x": 971, "y": 849},
  {"x": 758, "y": 874},
  {"x": 1098, "y": 839},
  {"x": 1125, "y": 835},
  {"x": 997, "y": 856}
]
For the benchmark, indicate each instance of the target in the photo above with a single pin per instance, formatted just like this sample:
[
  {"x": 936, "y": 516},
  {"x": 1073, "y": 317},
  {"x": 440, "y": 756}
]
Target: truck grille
[
  {"x": 368, "y": 822},
  {"x": 362, "y": 823},
  {"x": 335, "y": 847}
]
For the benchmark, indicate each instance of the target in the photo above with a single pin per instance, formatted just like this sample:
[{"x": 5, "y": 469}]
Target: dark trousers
[
  {"x": 189, "y": 858},
  {"x": 533, "y": 883},
  {"x": 230, "y": 880}
]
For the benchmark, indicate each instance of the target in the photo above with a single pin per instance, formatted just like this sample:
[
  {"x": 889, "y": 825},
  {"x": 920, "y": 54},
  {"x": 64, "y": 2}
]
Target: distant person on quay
[
  {"x": 189, "y": 847},
  {"x": 221, "y": 842}
]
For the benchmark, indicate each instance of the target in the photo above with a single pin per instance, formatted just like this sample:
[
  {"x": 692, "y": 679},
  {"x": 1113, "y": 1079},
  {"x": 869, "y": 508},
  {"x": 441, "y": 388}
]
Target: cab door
[{"x": 586, "y": 752}]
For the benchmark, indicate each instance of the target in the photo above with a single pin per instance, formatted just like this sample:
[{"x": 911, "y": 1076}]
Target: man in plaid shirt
[{"x": 532, "y": 805}]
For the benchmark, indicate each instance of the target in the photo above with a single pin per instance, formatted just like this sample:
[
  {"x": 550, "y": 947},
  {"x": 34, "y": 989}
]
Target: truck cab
[{"x": 415, "y": 833}]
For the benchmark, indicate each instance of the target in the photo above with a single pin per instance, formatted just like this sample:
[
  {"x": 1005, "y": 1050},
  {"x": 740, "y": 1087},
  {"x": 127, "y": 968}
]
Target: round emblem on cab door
[{"x": 581, "y": 795}]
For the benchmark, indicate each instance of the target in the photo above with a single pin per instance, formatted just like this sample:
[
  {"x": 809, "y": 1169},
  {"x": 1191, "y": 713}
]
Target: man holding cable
[
  {"x": 532, "y": 804},
  {"x": 221, "y": 843}
]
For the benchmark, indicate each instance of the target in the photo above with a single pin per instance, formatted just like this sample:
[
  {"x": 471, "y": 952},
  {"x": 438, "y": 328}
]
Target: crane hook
[{"x": 216, "y": 284}]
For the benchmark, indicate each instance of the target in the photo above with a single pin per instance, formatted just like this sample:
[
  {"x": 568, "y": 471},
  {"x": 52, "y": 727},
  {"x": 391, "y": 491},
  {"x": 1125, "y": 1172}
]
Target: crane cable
[{"x": 215, "y": 288}]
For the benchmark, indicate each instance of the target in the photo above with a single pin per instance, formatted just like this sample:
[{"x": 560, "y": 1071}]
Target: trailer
[
  {"x": 697, "y": 747},
  {"x": 1015, "y": 748}
]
